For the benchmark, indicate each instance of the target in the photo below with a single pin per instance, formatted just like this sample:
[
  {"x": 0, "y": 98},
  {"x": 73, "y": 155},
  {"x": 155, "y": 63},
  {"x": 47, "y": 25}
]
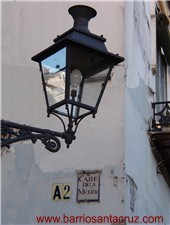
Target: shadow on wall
[
  {"x": 23, "y": 185},
  {"x": 139, "y": 99}
]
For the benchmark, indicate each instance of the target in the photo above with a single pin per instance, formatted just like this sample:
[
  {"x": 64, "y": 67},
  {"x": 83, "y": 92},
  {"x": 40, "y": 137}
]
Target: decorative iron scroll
[
  {"x": 14, "y": 132},
  {"x": 161, "y": 114},
  {"x": 161, "y": 167}
]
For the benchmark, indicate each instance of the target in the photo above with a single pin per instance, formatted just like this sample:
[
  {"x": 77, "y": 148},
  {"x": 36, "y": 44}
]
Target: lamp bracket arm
[{"x": 13, "y": 132}]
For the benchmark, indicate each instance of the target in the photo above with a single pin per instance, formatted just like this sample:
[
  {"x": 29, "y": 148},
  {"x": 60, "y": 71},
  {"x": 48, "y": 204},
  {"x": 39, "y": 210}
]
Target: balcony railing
[
  {"x": 160, "y": 137},
  {"x": 161, "y": 115}
]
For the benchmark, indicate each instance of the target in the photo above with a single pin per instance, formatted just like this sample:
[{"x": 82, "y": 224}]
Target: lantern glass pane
[
  {"x": 90, "y": 69},
  {"x": 54, "y": 76},
  {"x": 92, "y": 88}
]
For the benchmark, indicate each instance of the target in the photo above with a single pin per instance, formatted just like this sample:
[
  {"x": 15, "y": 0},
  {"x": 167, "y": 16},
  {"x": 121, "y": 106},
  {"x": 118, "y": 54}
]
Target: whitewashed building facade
[{"x": 114, "y": 157}]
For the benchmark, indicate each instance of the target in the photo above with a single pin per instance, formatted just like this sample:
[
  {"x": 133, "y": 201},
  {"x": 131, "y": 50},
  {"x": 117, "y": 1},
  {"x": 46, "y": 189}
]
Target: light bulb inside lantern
[{"x": 75, "y": 80}]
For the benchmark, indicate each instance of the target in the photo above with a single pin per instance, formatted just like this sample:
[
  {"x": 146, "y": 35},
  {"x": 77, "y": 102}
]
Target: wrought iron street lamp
[{"x": 75, "y": 71}]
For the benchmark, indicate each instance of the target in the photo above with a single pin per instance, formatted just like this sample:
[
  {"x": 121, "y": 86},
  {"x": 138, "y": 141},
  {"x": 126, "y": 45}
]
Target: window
[
  {"x": 163, "y": 55},
  {"x": 161, "y": 76}
]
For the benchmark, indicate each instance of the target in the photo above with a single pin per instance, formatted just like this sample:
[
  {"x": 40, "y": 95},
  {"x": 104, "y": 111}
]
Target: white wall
[
  {"x": 29, "y": 170},
  {"x": 152, "y": 194}
]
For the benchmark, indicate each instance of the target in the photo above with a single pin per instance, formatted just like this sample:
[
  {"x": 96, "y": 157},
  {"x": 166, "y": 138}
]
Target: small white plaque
[{"x": 88, "y": 186}]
